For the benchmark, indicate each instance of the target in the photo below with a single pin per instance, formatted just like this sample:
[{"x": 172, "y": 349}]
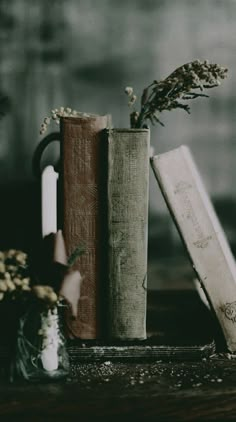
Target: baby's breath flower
[
  {"x": 12, "y": 265},
  {"x": 7, "y": 276},
  {"x": 3, "y": 286},
  {"x": 2, "y": 267},
  {"x": 52, "y": 297},
  {"x": 129, "y": 91},
  {"x": 132, "y": 100},
  {"x": 11, "y": 268},
  {"x": 56, "y": 114},
  {"x": 10, "y": 285},
  {"x": 21, "y": 258},
  {"x": 39, "y": 291},
  {"x": 10, "y": 253},
  {"x": 25, "y": 288},
  {"x": 26, "y": 281},
  {"x": 45, "y": 293},
  {"x": 17, "y": 281}
]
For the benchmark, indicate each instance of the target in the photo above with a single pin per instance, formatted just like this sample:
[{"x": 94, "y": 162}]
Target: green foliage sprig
[
  {"x": 79, "y": 251},
  {"x": 169, "y": 93}
]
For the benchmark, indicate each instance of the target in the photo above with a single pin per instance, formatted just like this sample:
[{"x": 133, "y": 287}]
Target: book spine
[
  {"x": 82, "y": 154},
  {"x": 128, "y": 186},
  {"x": 200, "y": 229}
]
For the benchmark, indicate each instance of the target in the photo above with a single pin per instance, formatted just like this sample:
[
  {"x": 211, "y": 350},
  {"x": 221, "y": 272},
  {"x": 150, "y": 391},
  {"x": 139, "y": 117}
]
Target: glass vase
[{"x": 41, "y": 346}]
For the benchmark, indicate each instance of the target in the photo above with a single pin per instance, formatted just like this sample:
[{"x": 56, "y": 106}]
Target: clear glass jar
[{"x": 41, "y": 346}]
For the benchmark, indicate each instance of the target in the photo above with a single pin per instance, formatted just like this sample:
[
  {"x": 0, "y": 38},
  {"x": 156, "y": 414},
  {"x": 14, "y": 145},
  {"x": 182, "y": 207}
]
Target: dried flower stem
[
  {"x": 56, "y": 114},
  {"x": 168, "y": 94}
]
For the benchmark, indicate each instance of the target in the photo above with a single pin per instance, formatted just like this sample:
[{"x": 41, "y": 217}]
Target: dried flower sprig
[
  {"x": 168, "y": 94},
  {"x": 56, "y": 114},
  {"x": 16, "y": 281},
  {"x": 45, "y": 294},
  {"x": 14, "y": 274}
]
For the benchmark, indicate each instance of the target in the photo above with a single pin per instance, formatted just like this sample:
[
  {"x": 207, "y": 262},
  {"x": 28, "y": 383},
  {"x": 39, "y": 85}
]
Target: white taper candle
[{"x": 49, "y": 200}]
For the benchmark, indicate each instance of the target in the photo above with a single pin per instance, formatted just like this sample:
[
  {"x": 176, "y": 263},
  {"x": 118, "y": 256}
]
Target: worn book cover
[
  {"x": 128, "y": 185},
  {"x": 83, "y": 180},
  {"x": 201, "y": 231}
]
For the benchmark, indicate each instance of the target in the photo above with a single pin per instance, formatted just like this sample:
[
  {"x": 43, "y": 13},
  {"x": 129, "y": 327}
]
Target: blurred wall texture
[{"x": 82, "y": 54}]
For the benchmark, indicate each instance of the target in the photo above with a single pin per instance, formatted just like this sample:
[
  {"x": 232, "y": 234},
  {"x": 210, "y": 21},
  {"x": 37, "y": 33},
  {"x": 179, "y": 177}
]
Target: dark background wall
[{"x": 82, "y": 54}]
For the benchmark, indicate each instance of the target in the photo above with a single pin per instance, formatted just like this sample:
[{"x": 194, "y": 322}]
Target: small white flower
[
  {"x": 3, "y": 286},
  {"x": 132, "y": 100},
  {"x": 129, "y": 91},
  {"x": 26, "y": 281},
  {"x": 10, "y": 285},
  {"x": 25, "y": 288},
  {"x": 17, "y": 281},
  {"x": 2, "y": 267}
]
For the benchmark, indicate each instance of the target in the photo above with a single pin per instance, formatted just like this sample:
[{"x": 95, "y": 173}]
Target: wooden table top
[
  {"x": 199, "y": 391},
  {"x": 202, "y": 389}
]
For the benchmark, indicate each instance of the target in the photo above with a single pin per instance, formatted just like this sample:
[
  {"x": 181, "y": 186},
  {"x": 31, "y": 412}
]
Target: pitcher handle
[{"x": 36, "y": 160}]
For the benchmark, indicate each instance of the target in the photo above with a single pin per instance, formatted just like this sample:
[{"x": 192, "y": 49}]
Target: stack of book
[
  {"x": 105, "y": 175},
  {"x": 105, "y": 186}
]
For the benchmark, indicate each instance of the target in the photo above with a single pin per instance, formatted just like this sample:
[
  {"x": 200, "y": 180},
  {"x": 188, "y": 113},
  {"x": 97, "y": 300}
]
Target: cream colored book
[{"x": 201, "y": 231}]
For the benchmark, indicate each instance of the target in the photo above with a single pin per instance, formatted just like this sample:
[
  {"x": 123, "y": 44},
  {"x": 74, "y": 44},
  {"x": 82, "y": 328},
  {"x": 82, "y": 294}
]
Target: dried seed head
[
  {"x": 168, "y": 94},
  {"x": 2, "y": 267},
  {"x": 10, "y": 285},
  {"x": 129, "y": 91},
  {"x": 3, "y": 286},
  {"x": 7, "y": 276},
  {"x": 47, "y": 120},
  {"x": 26, "y": 288},
  {"x": 17, "y": 281},
  {"x": 132, "y": 100}
]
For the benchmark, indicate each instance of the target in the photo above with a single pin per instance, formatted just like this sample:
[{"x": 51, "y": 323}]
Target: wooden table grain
[{"x": 201, "y": 389}]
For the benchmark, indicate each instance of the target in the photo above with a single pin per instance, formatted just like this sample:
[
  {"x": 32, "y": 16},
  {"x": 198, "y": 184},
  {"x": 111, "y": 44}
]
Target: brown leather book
[{"x": 83, "y": 184}]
